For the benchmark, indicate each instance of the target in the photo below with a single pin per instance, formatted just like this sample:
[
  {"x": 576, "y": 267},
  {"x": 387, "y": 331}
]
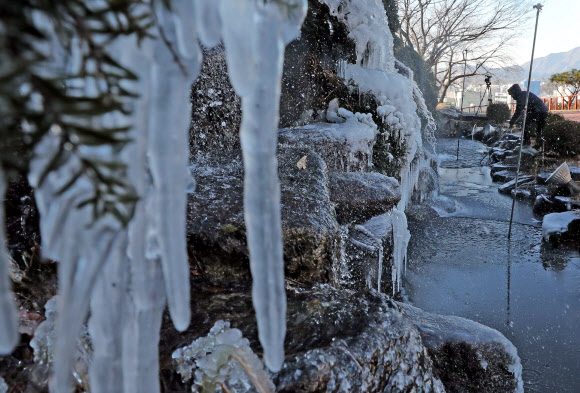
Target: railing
[{"x": 562, "y": 103}]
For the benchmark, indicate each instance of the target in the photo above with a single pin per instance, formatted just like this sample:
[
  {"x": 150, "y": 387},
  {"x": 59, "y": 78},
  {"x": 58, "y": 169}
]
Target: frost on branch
[{"x": 222, "y": 358}]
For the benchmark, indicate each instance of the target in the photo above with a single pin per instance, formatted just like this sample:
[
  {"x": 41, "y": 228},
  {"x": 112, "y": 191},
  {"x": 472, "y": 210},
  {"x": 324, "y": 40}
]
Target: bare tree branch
[{"x": 437, "y": 29}]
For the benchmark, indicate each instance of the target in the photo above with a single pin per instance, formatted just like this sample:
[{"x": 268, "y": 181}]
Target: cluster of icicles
[{"x": 126, "y": 276}]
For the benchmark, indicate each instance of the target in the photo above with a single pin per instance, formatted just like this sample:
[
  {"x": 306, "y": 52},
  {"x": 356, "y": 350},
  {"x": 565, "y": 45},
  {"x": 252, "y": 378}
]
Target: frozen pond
[{"x": 460, "y": 263}]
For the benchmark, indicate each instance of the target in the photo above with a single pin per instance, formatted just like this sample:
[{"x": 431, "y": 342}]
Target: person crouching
[{"x": 537, "y": 112}]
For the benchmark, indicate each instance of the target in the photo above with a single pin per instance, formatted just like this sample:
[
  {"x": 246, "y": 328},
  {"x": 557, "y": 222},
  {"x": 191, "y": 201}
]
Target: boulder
[
  {"x": 543, "y": 205},
  {"x": 361, "y": 196},
  {"x": 467, "y": 356},
  {"x": 346, "y": 147},
  {"x": 216, "y": 229},
  {"x": 503, "y": 176},
  {"x": 567, "y": 203},
  {"x": 558, "y": 228},
  {"x": 521, "y": 194},
  {"x": 508, "y": 144},
  {"x": 373, "y": 350},
  {"x": 336, "y": 341},
  {"x": 575, "y": 173},
  {"x": 498, "y": 154},
  {"x": 508, "y": 187},
  {"x": 529, "y": 159}
]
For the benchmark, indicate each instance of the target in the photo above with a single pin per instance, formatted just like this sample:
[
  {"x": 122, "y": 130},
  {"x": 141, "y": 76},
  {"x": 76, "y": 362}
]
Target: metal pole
[
  {"x": 462, "y": 95},
  {"x": 539, "y": 8}
]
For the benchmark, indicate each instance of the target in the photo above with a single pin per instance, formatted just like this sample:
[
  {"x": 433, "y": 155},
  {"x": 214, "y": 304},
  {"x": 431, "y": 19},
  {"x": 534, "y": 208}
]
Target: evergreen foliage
[
  {"x": 498, "y": 113},
  {"x": 37, "y": 96},
  {"x": 562, "y": 136},
  {"x": 569, "y": 79}
]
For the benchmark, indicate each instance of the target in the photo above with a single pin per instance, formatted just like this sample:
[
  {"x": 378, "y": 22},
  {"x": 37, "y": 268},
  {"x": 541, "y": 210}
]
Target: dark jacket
[{"x": 536, "y": 107}]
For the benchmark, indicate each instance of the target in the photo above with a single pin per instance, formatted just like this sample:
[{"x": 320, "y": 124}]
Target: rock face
[
  {"x": 218, "y": 114},
  {"x": 467, "y": 356},
  {"x": 361, "y": 196},
  {"x": 216, "y": 230}
]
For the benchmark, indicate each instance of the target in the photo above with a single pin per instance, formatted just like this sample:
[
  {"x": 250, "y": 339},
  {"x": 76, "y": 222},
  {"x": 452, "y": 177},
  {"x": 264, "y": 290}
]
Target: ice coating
[
  {"x": 8, "y": 318},
  {"x": 368, "y": 26},
  {"x": 378, "y": 247}
]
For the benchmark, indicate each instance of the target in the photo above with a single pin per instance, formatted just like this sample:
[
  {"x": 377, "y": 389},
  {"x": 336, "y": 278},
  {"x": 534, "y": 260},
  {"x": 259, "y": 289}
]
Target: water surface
[{"x": 461, "y": 263}]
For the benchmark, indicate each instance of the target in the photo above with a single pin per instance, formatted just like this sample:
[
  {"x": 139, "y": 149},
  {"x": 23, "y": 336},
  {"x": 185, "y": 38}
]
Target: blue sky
[{"x": 558, "y": 30}]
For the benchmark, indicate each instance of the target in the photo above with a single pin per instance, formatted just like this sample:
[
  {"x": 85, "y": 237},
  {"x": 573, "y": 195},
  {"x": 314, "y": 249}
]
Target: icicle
[
  {"x": 145, "y": 298},
  {"x": 401, "y": 237},
  {"x": 255, "y": 35},
  {"x": 169, "y": 151},
  {"x": 8, "y": 318},
  {"x": 380, "y": 250},
  {"x": 107, "y": 316}
]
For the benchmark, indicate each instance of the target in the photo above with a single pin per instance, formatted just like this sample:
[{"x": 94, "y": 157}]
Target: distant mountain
[{"x": 544, "y": 67}]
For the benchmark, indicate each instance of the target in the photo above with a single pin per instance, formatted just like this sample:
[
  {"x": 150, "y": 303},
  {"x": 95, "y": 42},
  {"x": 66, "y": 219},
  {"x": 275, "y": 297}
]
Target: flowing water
[{"x": 461, "y": 263}]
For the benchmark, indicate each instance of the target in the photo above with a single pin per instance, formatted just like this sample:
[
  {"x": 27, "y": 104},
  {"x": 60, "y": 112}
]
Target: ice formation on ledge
[
  {"x": 401, "y": 103},
  {"x": 368, "y": 26},
  {"x": 8, "y": 317}
]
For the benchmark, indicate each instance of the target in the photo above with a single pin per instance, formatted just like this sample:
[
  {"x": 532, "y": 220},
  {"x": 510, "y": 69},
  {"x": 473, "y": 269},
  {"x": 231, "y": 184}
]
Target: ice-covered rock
[
  {"x": 369, "y": 255},
  {"x": 507, "y": 188},
  {"x": 346, "y": 147},
  {"x": 373, "y": 349},
  {"x": 216, "y": 227},
  {"x": 466, "y": 355},
  {"x": 337, "y": 341},
  {"x": 361, "y": 196},
  {"x": 560, "y": 227}
]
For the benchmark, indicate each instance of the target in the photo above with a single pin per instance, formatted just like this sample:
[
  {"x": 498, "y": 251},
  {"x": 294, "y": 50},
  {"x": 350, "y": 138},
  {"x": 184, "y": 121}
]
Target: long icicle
[{"x": 255, "y": 35}]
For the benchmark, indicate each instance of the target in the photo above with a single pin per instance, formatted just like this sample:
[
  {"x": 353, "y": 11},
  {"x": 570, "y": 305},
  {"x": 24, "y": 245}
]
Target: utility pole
[
  {"x": 539, "y": 8},
  {"x": 462, "y": 96}
]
